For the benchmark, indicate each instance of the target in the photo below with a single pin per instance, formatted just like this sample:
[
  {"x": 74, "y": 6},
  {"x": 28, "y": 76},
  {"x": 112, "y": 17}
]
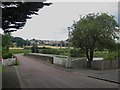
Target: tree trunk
[
  {"x": 91, "y": 54},
  {"x": 90, "y": 58},
  {"x": 89, "y": 63}
]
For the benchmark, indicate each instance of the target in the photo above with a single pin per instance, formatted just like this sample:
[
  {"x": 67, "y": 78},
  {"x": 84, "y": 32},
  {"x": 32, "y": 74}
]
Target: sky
[{"x": 52, "y": 21}]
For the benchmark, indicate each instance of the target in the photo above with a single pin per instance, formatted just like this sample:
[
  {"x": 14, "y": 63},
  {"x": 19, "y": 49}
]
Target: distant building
[{"x": 49, "y": 42}]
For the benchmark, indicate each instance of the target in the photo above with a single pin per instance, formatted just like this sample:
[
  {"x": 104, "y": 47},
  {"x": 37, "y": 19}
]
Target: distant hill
[{"x": 20, "y": 42}]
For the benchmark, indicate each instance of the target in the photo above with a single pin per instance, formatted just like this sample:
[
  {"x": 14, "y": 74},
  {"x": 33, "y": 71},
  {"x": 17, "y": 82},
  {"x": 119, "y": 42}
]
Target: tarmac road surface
[{"x": 33, "y": 73}]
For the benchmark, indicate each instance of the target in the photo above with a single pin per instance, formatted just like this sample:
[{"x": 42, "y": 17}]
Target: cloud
[
  {"x": 52, "y": 21},
  {"x": 82, "y": 0}
]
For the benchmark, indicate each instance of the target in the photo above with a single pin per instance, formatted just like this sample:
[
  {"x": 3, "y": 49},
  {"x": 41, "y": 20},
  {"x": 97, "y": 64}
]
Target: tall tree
[
  {"x": 20, "y": 41},
  {"x": 15, "y": 14},
  {"x": 6, "y": 42},
  {"x": 94, "y": 31}
]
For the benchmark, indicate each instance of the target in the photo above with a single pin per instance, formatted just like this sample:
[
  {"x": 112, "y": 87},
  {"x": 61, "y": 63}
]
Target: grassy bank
[{"x": 107, "y": 55}]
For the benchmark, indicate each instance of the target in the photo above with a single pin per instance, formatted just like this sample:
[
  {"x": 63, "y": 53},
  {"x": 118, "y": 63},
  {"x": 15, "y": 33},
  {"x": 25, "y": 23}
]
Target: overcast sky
[{"x": 52, "y": 21}]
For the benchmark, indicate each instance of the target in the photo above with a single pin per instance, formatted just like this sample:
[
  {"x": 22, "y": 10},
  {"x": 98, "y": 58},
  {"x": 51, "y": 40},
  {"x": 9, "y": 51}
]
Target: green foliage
[
  {"x": 7, "y": 55},
  {"x": 76, "y": 53},
  {"x": 45, "y": 50},
  {"x": 73, "y": 52},
  {"x": 0, "y": 68},
  {"x": 0, "y": 51},
  {"x": 63, "y": 51},
  {"x": 94, "y": 31},
  {"x": 0, "y": 45},
  {"x": 107, "y": 55},
  {"x": 16, "y": 51},
  {"x": 34, "y": 49},
  {"x": 15, "y": 14},
  {"x": 20, "y": 41},
  {"x": 110, "y": 56},
  {"x": 6, "y": 41}
]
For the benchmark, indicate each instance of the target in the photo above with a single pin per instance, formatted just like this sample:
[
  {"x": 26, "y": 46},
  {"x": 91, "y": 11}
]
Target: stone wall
[
  {"x": 43, "y": 57},
  {"x": 105, "y": 64},
  {"x": 60, "y": 61},
  {"x": 79, "y": 63}
]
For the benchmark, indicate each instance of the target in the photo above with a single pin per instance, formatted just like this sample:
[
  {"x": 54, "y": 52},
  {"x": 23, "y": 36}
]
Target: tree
[
  {"x": 118, "y": 50},
  {"x": 35, "y": 48},
  {"x": 6, "y": 41},
  {"x": 94, "y": 31},
  {"x": 20, "y": 41},
  {"x": 15, "y": 14},
  {"x": 0, "y": 46}
]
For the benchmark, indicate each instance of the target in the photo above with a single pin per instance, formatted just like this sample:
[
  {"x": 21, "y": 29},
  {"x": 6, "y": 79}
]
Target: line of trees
[{"x": 20, "y": 42}]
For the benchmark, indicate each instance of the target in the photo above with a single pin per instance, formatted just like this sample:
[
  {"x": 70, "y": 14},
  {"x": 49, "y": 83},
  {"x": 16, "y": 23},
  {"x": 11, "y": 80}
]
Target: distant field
[
  {"x": 16, "y": 51},
  {"x": 16, "y": 48},
  {"x": 47, "y": 46},
  {"x": 55, "y": 47}
]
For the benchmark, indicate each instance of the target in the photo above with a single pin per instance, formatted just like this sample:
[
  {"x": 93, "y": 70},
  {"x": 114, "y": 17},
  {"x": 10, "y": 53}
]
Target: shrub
[
  {"x": 49, "y": 51},
  {"x": 64, "y": 52},
  {"x": 7, "y": 55},
  {"x": 33, "y": 48},
  {"x": 76, "y": 53},
  {"x": 110, "y": 56},
  {"x": 16, "y": 51},
  {"x": 107, "y": 55}
]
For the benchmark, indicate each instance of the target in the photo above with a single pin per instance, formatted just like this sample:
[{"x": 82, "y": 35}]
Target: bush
[
  {"x": 33, "y": 48},
  {"x": 7, "y": 55},
  {"x": 110, "y": 56},
  {"x": 49, "y": 51},
  {"x": 16, "y": 51},
  {"x": 76, "y": 53},
  {"x": 106, "y": 55},
  {"x": 63, "y": 52}
]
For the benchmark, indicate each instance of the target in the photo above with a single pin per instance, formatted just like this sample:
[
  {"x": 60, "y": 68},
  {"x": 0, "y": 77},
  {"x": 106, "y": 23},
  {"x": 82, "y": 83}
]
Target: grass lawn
[{"x": 107, "y": 55}]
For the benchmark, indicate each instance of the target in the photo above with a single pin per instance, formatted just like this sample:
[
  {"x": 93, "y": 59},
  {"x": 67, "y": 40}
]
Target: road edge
[{"x": 19, "y": 77}]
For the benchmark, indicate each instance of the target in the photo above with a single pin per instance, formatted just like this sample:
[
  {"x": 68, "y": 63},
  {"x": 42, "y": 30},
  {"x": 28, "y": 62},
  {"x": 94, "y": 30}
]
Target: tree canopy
[
  {"x": 6, "y": 42},
  {"x": 15, "y": 14},
  {"x": 94, "y": 31}
]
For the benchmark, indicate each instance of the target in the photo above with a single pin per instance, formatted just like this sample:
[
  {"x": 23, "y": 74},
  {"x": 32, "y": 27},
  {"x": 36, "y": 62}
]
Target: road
[{"x": 35, "y": 74}]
